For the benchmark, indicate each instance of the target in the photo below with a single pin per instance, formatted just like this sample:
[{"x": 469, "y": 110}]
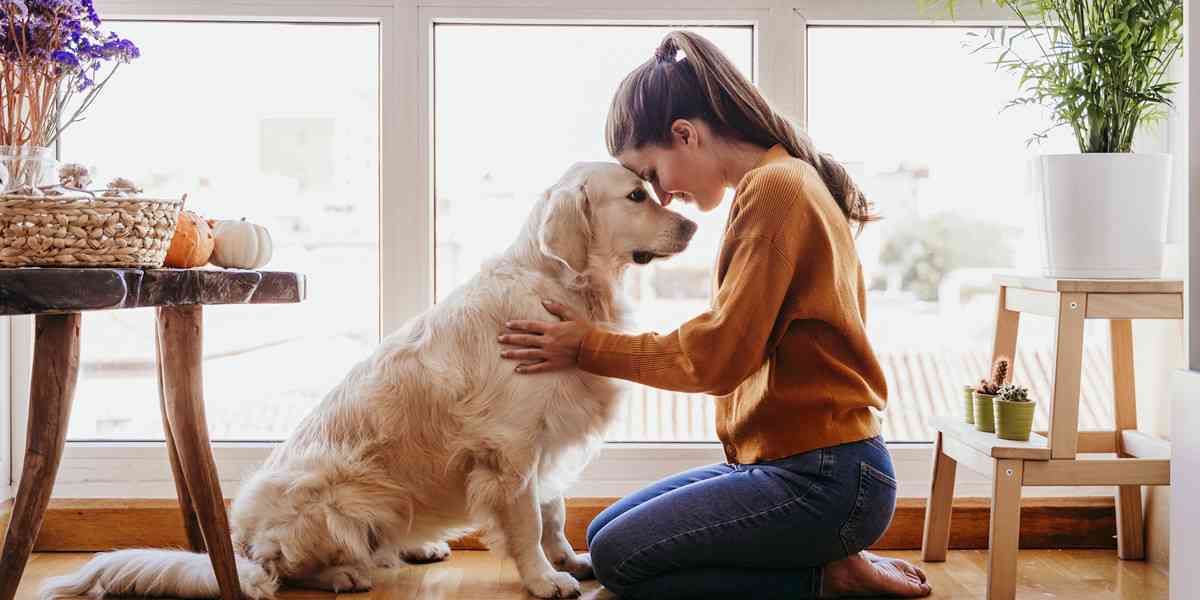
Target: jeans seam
[
  {"x": 866, "y": 471},
  {"x": 880, "y": 476},
  {"x": 855, "y": 511},
  {"x": 639, "y": 551}
]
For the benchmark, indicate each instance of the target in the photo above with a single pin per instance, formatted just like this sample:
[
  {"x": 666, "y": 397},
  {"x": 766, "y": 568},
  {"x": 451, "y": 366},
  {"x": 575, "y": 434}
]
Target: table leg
[
  {"x": 191, "y": 524},
  {"x": 55, "y": 371},
  {"x": 1004, "y": 336},
  {"x": 1005, "y": 531},
  {"x": 1130, "y": 526},
  {"x": 936, "y": 540},
  {"x": 1068, "y": 374},
  {"x": 179, "y": 336}
]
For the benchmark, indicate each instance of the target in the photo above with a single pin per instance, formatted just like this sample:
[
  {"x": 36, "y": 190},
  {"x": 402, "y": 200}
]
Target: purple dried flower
[
  {"x": 60, "y": 43},
  {"x": 65, "y": 58},
  {"x": 15, "y": 7}
]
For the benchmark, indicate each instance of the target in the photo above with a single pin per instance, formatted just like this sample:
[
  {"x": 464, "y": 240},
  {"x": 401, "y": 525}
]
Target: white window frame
[
  {"x": 1192, "y": 195},
  {"x": 140, "y": 469}
]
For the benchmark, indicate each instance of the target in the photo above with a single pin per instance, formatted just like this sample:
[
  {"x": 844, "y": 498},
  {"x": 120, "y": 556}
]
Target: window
[
  {"x": 921, "y": 129},
  {"x": 185, "y": 121},
  {"x": 512, "y": 112},
  {"x": 277, "y": 123}
]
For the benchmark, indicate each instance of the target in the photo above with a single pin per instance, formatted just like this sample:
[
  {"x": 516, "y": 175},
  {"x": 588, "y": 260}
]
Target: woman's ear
[{"x": 683, "y": 132}]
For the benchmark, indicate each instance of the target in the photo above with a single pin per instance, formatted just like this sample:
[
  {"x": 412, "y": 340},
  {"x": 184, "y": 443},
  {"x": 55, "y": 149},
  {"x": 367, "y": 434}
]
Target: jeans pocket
[{"x": 872, "y": 511}]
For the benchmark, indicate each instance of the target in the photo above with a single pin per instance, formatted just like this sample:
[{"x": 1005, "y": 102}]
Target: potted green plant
[
  {"x": 1013, "y": 411},
  {"x": 986, "y": 393},
  {"x": 1099, "y": 67},
  {"x": 969, "y": 398}
]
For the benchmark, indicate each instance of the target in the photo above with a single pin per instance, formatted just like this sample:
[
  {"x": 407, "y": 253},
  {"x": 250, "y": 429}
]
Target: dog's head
[{"x": 603, "y": 212}]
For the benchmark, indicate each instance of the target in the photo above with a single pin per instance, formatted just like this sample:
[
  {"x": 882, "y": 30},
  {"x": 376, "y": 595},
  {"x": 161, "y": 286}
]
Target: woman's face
[{"x": 687, "y": 170}]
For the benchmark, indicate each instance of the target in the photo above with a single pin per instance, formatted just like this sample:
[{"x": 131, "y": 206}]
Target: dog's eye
[{"x": 637, "y": 195}]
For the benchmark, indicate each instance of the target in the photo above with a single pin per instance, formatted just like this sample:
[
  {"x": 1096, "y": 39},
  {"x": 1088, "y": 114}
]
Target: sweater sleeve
[{"x": 717, "y": 350}]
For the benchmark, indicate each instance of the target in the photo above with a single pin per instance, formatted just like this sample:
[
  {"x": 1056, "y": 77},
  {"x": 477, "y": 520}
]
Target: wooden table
[
  {"x": 57, "y": 297},
  {"x": 1051, "y": 458}
]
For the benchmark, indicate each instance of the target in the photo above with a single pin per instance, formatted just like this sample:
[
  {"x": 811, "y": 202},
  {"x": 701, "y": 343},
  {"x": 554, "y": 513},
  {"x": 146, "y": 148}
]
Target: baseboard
[{"x": 96, "y": 525}]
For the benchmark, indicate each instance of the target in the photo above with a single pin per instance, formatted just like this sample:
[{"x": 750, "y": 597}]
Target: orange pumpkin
[{"x": 192, "y": 244}]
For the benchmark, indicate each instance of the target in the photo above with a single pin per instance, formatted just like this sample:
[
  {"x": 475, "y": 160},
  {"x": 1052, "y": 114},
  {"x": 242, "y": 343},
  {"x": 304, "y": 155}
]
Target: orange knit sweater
[{"x": 784, "y": 347}]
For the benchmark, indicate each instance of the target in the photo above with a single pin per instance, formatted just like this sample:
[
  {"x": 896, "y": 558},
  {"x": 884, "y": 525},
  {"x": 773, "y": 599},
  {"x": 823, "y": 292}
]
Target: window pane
[
  {"x": 509, "y": 121},
  {"x": 949, "y": 172},
  {"x": 277, "y": 123}
]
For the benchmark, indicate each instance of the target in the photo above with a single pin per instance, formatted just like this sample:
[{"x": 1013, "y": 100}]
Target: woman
[{"x": 808, "y": 483}]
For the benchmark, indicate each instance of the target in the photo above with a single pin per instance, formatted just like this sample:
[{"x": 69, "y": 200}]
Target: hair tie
[{"x": 666, "y": 52}]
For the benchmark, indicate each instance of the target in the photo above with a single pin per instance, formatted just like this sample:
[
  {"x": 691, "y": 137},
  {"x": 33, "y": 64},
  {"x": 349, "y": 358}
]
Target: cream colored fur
[{"x": 434, "y": 435}]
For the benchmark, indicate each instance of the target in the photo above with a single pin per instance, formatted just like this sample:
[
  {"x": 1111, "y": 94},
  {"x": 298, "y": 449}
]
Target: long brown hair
[{"x": 706, "y": 85}]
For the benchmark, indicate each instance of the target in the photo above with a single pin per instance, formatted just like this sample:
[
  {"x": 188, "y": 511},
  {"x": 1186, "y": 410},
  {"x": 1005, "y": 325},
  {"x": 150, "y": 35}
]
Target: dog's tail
[{"x": 148, "y": 572}]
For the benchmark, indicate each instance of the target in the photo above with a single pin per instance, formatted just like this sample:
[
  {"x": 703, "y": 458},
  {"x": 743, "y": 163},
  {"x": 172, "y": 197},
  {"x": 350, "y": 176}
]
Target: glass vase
[{"x": 23, "y": 168}]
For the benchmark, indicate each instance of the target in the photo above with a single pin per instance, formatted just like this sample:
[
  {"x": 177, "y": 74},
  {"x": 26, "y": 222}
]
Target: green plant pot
[
  {"x": 969, "y": 397},
  {"x": 984, "y": 421},
  {"x": 1014, "y": 420}
]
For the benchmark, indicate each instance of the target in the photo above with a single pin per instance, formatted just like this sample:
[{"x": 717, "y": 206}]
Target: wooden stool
[
  {"x": 57, "y": 296},
  {"x": 1051, "y": 458}
]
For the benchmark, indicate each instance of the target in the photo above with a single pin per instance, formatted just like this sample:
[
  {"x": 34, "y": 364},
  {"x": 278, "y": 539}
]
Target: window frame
[{"x": 406, "y": 236}]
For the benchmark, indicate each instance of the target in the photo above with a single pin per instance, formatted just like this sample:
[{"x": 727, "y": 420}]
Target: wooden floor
[{"x": 1045, "y": 575}]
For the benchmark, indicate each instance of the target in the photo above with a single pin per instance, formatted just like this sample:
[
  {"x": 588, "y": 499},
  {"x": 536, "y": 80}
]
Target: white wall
[
  {"x": 1185, "y": 481},
  {"x": 5, "y": 414},
  {"x": 1185, "y": 408}
]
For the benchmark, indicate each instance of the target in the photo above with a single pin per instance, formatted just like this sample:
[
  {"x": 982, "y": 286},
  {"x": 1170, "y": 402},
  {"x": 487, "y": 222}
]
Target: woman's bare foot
[
  {"x": 905, "y": 566},
  {"x": 865, "y": 574}
]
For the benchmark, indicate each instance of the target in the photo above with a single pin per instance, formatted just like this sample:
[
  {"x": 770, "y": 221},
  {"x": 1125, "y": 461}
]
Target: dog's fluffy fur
[{"x": 434, "y": 435}]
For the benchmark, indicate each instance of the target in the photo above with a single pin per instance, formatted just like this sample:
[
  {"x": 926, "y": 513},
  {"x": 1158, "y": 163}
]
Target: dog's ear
[{"x": 565, "y": 231}]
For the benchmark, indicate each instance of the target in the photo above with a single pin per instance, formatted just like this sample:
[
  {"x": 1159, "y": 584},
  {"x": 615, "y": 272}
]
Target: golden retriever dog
[{"x": 434, "y": 435}]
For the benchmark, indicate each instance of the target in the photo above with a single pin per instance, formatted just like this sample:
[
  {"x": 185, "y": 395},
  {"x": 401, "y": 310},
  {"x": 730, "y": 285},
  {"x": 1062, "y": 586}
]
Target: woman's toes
[
  {"x": 904, "y": 566},
  {"x": 920, "y": 573},
  {"x": 901, "y": 579},
  {"x": 858, "y": 576}
]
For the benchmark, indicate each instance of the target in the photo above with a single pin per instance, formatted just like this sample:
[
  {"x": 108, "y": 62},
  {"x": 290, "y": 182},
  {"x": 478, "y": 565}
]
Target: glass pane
[
  {"x": 504, "y": 134},
  {"x": 277, "y": 123},
  {"x": 949, "y": 171}
]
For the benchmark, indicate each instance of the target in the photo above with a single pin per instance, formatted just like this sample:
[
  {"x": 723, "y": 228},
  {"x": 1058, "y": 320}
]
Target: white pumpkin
[{"x": 240, "y": 245}]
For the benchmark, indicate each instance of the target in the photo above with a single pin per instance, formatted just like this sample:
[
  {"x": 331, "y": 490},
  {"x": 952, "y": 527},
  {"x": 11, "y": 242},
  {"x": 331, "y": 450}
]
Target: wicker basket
[{"x": 82, "y": 231}]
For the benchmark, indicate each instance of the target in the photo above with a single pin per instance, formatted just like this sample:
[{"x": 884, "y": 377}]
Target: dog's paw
[
  {"x": 344, "y": 578},
  {"x": 553, "y": 585},
  {"x": 578, "y": 565},
  {"x": 387, "y": 559},
  {"x": 426, "y": 553}
]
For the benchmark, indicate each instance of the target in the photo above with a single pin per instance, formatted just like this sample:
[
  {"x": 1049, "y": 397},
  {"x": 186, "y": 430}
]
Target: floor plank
[{"x": 474, "y": 575}]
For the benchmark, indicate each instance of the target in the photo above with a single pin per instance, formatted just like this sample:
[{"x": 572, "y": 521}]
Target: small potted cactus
[
  {"x": 1013, "y": 412},
  {"x": 986, "y": 393}
]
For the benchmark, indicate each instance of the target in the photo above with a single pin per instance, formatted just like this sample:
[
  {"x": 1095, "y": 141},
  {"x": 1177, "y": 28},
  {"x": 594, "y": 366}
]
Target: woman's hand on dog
[{"x": 543, "y": 346}]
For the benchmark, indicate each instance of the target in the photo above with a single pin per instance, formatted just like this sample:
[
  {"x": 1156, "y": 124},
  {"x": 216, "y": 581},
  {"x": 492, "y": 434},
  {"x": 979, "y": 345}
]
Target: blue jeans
[{"x": 751, "y": 531}]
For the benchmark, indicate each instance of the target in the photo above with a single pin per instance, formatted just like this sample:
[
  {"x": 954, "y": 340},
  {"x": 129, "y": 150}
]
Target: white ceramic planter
[{"x": 1103, "y": 215}]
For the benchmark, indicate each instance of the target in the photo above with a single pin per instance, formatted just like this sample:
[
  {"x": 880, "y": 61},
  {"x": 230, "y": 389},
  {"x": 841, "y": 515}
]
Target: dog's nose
[{"x": 687, "y": 229}]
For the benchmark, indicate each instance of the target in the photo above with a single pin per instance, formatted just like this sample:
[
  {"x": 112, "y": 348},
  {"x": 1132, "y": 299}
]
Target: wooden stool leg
[
  {"x": 191, "y": 524},
  {"x": 1004, "y": 336},
  {"x": 936, "y": 540},
  {"x": 55, "y": 372},
  {"x": 1068, "y": 373},
  {"x": 1005, "y": 531},
  {"x": 179, "y": 336},
  {"x": 1130, "y": 530}
]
